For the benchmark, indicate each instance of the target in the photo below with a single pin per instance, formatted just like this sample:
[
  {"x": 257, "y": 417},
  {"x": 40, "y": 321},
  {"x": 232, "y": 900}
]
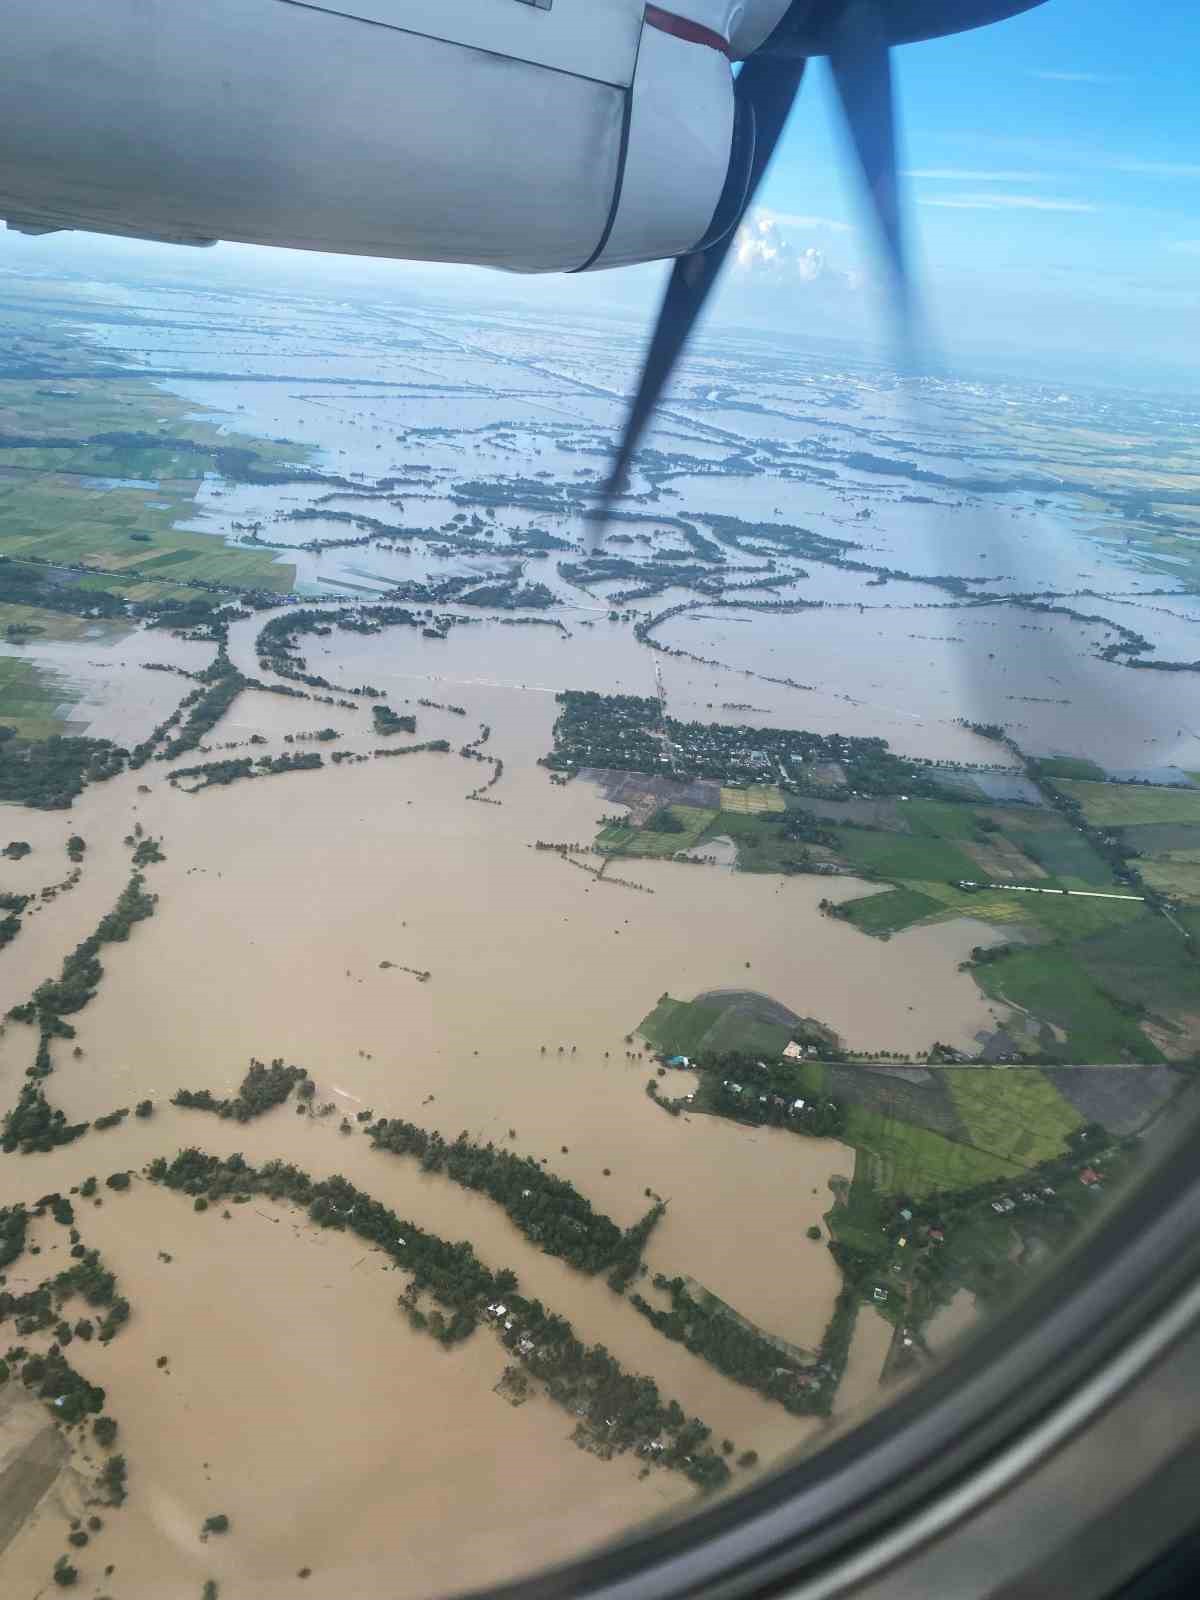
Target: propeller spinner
[{"x": 857, "y": 36}]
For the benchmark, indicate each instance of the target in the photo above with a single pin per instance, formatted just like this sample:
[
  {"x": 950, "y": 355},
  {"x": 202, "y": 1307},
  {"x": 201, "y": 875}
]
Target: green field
[
  {"x": 1052, "y": 982},
  {"x": 51, "y": 507},
  {"x": 1014, "y": 1112},
  {"x": 1145, "y": 963},
  {"x": 678, "y": 1027},
  {"x": 688, "y": 1027},
  {"x": 628, "y": 841},
  {"x": 57, "y": 518},
  {"x": 28, "y": 697},
  {"x": 1066, "y": 857},
  {"x": 1173, "y": 876},
  {"x": 889, "y": 912},
  {"x": 901, "y": 1158},
  {"x": 902, "y": 855},
  {"x": 762, "y": 798},
  {"x": 1113, "y": 805},
  {"x": 761, "y": 846},
  {"x": 1070, "y": 767},
  {"x": 57, "y": 625}
]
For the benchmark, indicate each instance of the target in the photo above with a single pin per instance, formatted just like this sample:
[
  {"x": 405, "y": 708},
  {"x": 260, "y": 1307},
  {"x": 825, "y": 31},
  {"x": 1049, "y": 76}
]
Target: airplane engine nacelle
[{"x": 533, "y": 135}]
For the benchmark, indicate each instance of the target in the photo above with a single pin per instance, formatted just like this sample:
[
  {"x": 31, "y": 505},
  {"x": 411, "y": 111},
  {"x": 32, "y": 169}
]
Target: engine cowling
[{"x": 588, "y": 134}]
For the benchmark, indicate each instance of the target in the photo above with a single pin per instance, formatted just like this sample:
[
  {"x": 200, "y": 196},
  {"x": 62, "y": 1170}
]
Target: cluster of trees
[
  {"x": 547, "y": 1209},
  {"x": 599, "y": 730},
  {"x": 510, "y": 594},
  {"x": 23, "y": 584},
  {"x": 781, "y": 1082},
  {"x": 261, "y": 1089},
  {"x": 388, "y": 721},
  {"x": 279, "y": 652},
  {"x": 222, "y": 773},
  {"x": 81, "y": 970},
  {"x": 623, "y": 731},
  {"x": 207, "y": 705},
  {"x": 441, "y": 746},
  {"x": 48, "y": 774},
  {"x": 52, "y": 1379},
  {"x": 33, "y": 1125},
  {"x": 806, "y": 827},
  {"x": 12, "y": 906},
  {"x": 740, "y": 1351},
  {"x": 14, "y": 1225},
  {"x": 619, "y": 1411}
]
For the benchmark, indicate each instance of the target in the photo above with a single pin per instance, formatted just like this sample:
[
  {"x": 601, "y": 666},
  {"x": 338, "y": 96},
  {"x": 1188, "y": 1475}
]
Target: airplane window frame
[{"x": 1036, "y": 1376}]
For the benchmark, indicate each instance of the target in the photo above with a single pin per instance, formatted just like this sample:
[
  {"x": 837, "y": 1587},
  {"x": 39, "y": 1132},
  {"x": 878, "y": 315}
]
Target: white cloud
[
  {"x": 1074, "y": 77},
  {"x": 787, "y": 219},
  {"x": 1005, "y": 202},
  {"x": 1156, "y": 169},
  {"x": 763, "y": 251},
  {"x": 962, "y": 175}
]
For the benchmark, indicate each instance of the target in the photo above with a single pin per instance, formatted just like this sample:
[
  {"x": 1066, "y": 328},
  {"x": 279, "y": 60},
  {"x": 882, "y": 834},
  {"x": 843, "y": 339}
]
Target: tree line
[{"x": 617, "y": 1411}]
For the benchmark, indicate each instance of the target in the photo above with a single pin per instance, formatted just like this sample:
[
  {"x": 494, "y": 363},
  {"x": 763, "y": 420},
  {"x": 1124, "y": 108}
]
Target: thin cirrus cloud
[
  {"x": 1005, "y": 202},
  {"x": 1074, "y": 77},
  {"x": 787, "y": 219},
  {"x": 963, "y": 175},
  {"x": 1156, "y": 169}
]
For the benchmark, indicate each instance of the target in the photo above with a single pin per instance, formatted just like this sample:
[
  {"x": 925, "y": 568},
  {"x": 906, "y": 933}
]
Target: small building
[
  {"x": 906, "y": 1214},
  {"x": 1089, "y": 1176},
  {"x": 679, "y": 1061},
  {"x": 878, "y": 1293},
  {"x": 937, "y": 1235},
  {"x": 793, "y": 1051}
]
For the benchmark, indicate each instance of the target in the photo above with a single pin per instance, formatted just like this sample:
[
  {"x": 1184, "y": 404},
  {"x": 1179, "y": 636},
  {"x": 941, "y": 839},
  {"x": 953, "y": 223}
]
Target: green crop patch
[
  {"x": 1144, "y": 964},
  {"x": 29, "y": 695},
  {"x": 1171, "y": 876},
  {"x": 762, "y": 845},
  {"x": 1115, "y": 805},
  {"x": 732, "y": 1031},
  {"x": 903, "y": 1159},
  {"x": 1071, "y": 767},
  {"x": 889, "y": 912},
  {"x": 905, "y": 855},
  {"x": 1086, "y": 1025},
  {"x": 690, "y": 822},
  {"x": 1065, "y": 856},
  {"x": 678, "y": 1027},
  {"x": 1014, "y": 1112}
]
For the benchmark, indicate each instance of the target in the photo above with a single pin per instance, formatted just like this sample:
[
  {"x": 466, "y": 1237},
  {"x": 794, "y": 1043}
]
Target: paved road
[{"x": 1030, "y": 888}]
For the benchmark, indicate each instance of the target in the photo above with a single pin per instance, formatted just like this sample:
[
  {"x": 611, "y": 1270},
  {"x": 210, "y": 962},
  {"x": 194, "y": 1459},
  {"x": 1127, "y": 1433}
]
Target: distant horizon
[{"x": 629, "y": 295}]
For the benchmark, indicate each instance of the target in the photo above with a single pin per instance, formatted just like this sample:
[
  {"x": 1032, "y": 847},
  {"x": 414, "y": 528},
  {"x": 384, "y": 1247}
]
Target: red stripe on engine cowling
[{"x": 685, "y": 28}]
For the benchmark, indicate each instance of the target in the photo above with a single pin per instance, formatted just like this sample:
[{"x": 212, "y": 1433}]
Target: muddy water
[
  {"x": 334, "y": 1437},
  {"x": 909, "y": 674},
  {"x": 859, "y": 1388},
  {"x": 297, "y": 1401},
  {"x": 278, "y": 901},
  {"x": 952, "y": 1321}
]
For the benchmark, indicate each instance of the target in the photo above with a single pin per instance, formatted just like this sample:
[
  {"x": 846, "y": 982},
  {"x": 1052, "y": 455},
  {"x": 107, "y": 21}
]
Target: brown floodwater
[{"x": 335, "y": 1437}]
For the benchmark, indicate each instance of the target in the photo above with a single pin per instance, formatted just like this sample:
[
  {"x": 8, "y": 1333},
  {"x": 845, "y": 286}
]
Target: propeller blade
[
  {"x": 769, "y": 88},
  {"x": 862, "y": 75}
]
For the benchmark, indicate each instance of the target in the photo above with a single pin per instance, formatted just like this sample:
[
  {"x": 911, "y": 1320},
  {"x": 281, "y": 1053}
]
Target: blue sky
[
  {"x": 1054, "y": 208},
  {"x": 1054, "y": 185}
]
